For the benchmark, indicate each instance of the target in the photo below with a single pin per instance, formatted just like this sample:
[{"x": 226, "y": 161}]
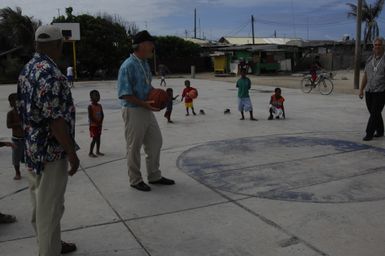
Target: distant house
[
  {"x": 333, "y": 55},
  {"x": 270, "y": 54},
  {"x": 265, "y": 55},
  {"x": 280, "y": 54}
]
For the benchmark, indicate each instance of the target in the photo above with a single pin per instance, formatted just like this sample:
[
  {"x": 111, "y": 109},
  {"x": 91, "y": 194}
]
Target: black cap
[{"x": 142, "y": 36}]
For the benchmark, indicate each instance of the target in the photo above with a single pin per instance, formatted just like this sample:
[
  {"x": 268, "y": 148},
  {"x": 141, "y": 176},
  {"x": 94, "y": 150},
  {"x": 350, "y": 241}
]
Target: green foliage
[
  {"x": 10, "y": 69},
  {"x": 17, "y": 32},
  {"x": 370, "y": 14},
  {"x": 103, "y": 46},
  {"x": 175, "y": 47},
  {"x": 105, "y": 43}
]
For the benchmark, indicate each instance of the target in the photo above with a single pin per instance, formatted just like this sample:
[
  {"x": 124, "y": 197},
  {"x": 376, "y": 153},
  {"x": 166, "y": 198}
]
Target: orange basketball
[
  {"x": 159, "y": 97},
  {"x": 193, "y": 94}
]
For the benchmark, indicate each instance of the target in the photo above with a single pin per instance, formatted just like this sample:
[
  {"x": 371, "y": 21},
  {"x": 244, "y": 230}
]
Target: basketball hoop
[{"x": 71, "y": 34}]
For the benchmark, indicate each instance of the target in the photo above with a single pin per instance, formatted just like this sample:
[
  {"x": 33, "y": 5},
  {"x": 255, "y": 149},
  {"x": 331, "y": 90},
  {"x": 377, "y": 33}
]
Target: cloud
[
  {"x": 130, "y": 9},
  {"x": 175, "y": 16},
  {"x": 277, "y": 3}
]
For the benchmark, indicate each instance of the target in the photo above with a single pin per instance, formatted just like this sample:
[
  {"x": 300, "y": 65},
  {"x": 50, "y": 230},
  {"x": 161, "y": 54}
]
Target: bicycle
[{"x": 323, "y": 82}]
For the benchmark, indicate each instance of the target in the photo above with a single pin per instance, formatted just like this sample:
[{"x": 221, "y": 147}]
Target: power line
[
  {"x": 293, "y": 18},
  {"x": 238, "y": 29},
  {"x": 270, "y": 22}
]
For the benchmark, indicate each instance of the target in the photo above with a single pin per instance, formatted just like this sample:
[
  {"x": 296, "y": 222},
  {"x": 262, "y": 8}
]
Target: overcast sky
[{"x": 314, "y": 19}]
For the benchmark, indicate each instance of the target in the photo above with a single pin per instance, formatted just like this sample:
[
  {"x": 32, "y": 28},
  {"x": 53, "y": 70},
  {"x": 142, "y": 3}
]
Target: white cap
[{"x": 48, "y": 33}]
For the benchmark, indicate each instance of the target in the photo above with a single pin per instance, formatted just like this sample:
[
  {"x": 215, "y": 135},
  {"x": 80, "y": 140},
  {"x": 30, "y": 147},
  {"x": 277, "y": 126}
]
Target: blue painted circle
[{"x": 291, "y": 168}]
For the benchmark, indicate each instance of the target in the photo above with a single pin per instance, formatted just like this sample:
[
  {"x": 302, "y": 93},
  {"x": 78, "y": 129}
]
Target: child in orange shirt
[
  {"x": 95, "y": 116},
  {"x": 277, "y": 109}
]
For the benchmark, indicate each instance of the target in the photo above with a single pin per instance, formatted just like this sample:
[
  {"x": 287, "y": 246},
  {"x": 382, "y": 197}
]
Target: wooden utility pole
[
  {"x": 195, "y": 23},
  {"x": 252, "y": 28},
  {"x": 357, "y": 54}
]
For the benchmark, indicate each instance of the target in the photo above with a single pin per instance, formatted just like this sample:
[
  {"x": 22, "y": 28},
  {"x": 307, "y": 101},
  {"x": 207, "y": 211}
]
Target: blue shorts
[
  {"x": 244, "y": 104},
  {"x": 70, "y": 78}
]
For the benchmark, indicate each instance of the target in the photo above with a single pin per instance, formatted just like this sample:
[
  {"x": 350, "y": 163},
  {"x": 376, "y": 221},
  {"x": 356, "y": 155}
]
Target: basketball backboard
[{"x": 70, "y": 31}]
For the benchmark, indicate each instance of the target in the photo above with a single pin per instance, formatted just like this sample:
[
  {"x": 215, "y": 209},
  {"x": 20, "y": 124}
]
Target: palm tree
[
  {"x": 370, "y": 13},
  {"x": 17, "y": 30}
]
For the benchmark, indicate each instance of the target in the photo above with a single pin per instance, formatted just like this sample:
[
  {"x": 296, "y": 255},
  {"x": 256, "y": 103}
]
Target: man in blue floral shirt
[{"x": 48, "y": 115}]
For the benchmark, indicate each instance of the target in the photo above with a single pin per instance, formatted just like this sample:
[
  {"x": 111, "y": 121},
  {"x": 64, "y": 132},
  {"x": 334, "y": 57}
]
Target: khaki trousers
[
  {"x": 47, "y": 197},
  {"x": 141, "y": 129}
]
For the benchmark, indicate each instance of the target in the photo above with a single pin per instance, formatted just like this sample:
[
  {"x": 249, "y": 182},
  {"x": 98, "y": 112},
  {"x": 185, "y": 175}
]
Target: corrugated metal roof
[
  {"x": 256, "y": 48},
  {"x": 197, "y": 41},
  {"x": 321, "y": 43},
  {"x": 257, "y": 40}
]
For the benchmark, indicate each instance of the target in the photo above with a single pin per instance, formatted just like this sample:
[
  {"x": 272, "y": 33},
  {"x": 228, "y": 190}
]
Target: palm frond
[
  {"x": 377, "y": 7},
  {"x": 18, "y": 29},
  {"x": 353, "y": 10}
]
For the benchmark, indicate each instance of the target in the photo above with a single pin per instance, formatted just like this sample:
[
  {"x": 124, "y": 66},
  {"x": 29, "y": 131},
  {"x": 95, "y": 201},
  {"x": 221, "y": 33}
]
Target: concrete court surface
[{"x": 303, "y": 186}]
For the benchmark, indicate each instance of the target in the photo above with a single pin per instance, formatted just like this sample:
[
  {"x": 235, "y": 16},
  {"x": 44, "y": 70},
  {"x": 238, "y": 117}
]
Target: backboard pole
[
  {"x": 74, "y": 58},
  {"x": 357, "y": 52}
]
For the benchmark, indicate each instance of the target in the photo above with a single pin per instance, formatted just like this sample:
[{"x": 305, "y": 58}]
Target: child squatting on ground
[
  {"x": 276, "y": 107},
  {"x": 188, "y": 102},
  {"x": 14, "y": 123},
  {"x": 95, "y": 116},
  {"x": 244, "y": 102},
  {"x": 171, "y": 98}
]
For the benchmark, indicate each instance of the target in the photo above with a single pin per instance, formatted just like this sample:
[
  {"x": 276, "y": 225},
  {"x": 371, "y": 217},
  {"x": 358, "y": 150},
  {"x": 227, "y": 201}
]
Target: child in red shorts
[
  {"x": 95, "y": 116},
  {"x": 188, "y": 102}
]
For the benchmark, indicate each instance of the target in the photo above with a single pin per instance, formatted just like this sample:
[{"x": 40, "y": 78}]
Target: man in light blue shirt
[
  {"x": 132, "y": 80},
  {"x": 141, "y": 127}
]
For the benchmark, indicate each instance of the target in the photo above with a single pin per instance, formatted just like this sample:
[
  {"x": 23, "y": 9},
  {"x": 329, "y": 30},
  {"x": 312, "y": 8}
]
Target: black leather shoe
[
  {"x": 163, "y": 181},
  {"x": 67, "y": 247},
  {"x": 378, "y": 135},
  {"x": 367, "y": 138},
  {"x": 142, "y": 186}
]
